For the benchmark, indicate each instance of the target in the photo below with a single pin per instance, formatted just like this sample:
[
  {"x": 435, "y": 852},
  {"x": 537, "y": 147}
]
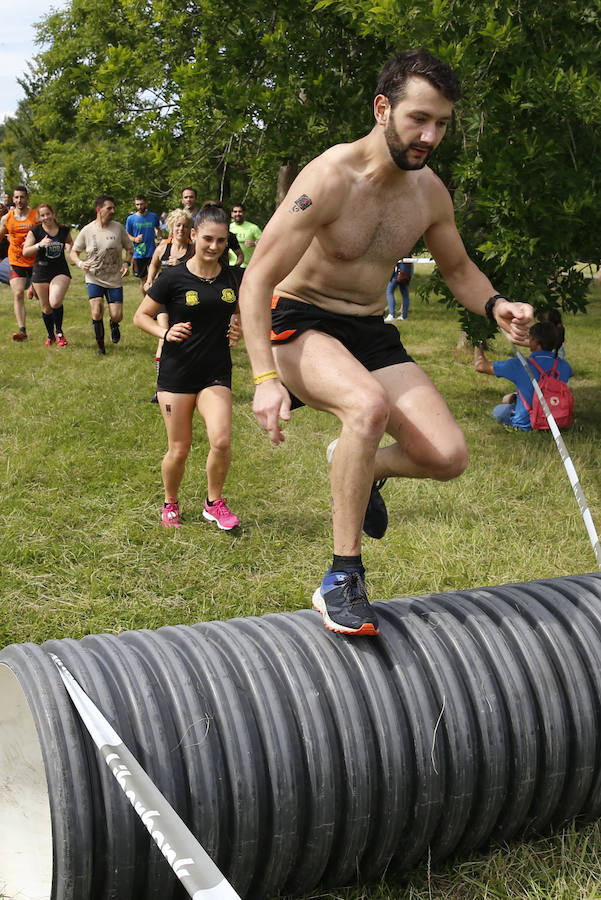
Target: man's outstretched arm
[{"x": 468, "y": 283}]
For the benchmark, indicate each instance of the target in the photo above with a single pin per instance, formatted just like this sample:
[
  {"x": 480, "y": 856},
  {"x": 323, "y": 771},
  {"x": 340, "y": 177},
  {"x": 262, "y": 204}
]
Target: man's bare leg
[
  {"x": 400, "y": 400},
  {"x": 17, "y": 286},
  {"x": 322, "y": 373},
  {"x": 428, "y": 441}
]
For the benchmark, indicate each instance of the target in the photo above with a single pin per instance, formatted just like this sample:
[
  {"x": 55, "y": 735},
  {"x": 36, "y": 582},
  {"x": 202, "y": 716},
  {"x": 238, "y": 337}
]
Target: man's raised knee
[
  {"x": 453, "y": 465},
  {"x": 369, "y": 411}
]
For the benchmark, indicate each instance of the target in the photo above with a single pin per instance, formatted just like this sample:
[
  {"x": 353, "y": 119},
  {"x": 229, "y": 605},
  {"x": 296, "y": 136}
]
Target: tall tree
[
  {"x": 522, "y": 160},
  {"x": 157, "y": 95},
  {"x": 13, "y": 157}
]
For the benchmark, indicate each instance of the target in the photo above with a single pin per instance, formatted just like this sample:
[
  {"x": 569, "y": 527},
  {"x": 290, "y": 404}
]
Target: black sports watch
[{"x": 490, "y": 305}]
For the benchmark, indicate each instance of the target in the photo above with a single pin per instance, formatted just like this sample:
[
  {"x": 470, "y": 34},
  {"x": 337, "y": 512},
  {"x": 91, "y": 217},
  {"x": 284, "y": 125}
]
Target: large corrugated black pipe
[{"x": 298, "y": 757}]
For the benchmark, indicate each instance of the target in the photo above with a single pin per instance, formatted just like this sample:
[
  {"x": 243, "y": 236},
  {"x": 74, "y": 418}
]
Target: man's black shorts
[
  {"x": 21, "y": 272},
  {"x": 371, "y": 340},
  {"x": 141, "y": 266}
]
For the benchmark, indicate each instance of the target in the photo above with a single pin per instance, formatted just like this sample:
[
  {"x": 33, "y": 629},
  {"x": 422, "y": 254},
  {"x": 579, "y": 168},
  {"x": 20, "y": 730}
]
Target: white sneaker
[{"x": 389, "y": 318}]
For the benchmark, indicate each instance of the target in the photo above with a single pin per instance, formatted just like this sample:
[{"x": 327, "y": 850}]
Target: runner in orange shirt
[{"x": 17, "y": 223}]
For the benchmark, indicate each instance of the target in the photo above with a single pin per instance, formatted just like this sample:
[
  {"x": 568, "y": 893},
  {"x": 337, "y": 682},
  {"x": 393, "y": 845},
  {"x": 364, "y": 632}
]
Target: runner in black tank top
[
  {"x": 201, "y": 297},
  {"x": 51, "y": 276}
]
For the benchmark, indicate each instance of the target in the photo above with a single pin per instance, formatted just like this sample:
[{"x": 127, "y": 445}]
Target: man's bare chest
[{"x": 376, "y": 227}]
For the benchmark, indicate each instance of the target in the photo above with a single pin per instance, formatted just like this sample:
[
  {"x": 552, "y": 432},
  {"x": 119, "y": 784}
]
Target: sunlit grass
[{"x": 83, "y": 551}]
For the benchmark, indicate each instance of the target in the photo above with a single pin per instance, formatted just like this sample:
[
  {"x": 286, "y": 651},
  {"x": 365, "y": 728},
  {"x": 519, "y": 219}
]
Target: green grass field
[{"x": 83, "y": 550}]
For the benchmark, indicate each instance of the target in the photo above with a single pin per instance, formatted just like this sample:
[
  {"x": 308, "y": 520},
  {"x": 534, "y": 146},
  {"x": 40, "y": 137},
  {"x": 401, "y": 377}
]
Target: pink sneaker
[
  {"x": 170, "y": 516},
  {"x": 61, "y": 340},
  {"x": 219, "y": 512},
  {"x": 49, "y": 341}
]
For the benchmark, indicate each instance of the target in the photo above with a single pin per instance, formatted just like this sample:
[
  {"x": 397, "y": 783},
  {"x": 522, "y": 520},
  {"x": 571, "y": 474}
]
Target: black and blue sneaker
[
  {"x": 375, "y": 522},
  {"x": 343, "y": 603}
]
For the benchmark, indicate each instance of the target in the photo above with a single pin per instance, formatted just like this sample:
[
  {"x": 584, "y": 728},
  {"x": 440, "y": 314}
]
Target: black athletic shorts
[
  {"x": 178, "y": 386},
  {"x": 44, "y": 272},
  {"x": 21, "y": 272},
  {"x": 371, "y": 340},
  {"x": 141, "y": 266}
]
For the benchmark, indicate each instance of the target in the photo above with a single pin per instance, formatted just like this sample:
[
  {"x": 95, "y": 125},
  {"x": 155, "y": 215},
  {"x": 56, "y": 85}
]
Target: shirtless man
[
  {"x": 327, "y": 254},
  {"x": 17, "y": 223}
]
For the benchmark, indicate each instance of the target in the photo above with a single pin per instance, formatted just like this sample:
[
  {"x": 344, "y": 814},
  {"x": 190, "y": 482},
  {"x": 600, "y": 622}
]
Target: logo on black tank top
[
  {"x": 192, "y": 298},
  {"x": 228, "y": 296},
  {"x": 54, "y": 250}
]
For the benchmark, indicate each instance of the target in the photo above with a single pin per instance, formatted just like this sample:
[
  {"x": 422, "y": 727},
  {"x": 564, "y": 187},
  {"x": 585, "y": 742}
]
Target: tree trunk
[
  {"x": 463, "y": 341},
  {"x": 286, "y": 176}
]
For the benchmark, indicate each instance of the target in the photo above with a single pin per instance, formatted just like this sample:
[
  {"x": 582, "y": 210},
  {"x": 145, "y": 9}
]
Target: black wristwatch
[{"x": 490, "y": 305}]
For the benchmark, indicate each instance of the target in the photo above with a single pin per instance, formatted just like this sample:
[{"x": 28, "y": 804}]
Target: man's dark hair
[
  {"x": 393, "y": 77},
  {"x": 241, "y": 205},
  {"x": 140, "y": 197},
  {"x": 545, "y": 333},
  {"x": 101, "y": 199},
  {"x": 22, "y": 188},
  {"x": 194, "y": 191}
]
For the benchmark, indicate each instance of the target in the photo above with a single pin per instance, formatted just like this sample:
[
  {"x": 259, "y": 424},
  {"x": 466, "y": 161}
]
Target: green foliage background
[{"x": 130, "y": 95}]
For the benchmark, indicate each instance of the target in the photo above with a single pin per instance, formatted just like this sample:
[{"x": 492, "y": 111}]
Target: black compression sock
[
  {"x": 98, "y": 326},
  {"x": 57, "y": 315},
  {"x": 348, "y": 564},
  {"x": 49, "y": 323}
]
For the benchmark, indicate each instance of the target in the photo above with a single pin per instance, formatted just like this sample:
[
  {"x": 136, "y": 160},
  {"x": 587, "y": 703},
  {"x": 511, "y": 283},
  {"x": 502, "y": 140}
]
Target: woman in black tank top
[{"x": 51, "y": 277}]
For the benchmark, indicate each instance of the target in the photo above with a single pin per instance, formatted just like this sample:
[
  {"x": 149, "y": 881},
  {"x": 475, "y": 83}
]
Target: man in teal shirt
[
  {"x": 143, "y": 229},
  {"x": 247, "y": 232}
]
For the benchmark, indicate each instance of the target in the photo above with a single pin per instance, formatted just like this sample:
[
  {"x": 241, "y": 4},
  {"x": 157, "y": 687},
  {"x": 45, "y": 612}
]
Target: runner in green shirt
[{"x": 247, "y": 232}]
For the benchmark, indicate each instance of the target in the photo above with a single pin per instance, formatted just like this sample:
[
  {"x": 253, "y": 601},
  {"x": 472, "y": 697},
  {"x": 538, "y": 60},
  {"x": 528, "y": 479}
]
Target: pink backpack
[{"x": 558, "y": 395}]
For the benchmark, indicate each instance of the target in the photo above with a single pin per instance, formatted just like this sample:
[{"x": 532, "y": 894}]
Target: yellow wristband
[{"x": 265, "y": 376}]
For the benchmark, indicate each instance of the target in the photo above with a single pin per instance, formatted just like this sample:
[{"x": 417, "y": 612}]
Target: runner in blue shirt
[{"x": 143, "y": 229}]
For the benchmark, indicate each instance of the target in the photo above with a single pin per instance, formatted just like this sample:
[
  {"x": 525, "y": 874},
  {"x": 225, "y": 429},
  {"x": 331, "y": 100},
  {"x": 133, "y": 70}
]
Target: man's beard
[{"x": 398, "y": 152}]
